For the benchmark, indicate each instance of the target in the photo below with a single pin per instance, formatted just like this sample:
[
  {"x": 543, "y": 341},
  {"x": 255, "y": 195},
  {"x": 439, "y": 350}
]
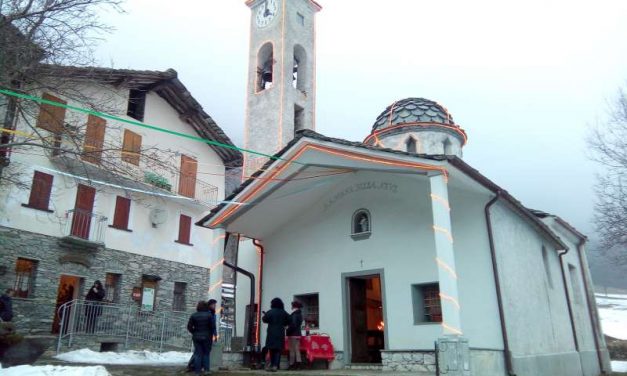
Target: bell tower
[{"x": 281, "y": 76}]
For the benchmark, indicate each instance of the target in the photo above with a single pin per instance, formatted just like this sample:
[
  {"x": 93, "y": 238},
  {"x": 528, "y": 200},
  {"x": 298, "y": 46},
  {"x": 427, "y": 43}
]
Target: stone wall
[
  {"x": 408, "y": 361},
  {"x": 56, "y": 257}
]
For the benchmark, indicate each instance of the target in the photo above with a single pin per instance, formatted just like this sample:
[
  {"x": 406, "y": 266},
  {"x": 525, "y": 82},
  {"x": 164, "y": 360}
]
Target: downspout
[
  {"x": 593, "y": 321},
  {"x": 497, "y": 282},
  {"x": 262, "y": 252},
  {"x": 249, "y": 329}
]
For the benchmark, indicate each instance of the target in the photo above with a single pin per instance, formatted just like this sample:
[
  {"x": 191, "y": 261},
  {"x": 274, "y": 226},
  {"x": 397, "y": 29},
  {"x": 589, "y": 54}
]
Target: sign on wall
[{"x": 148, "y": 299}]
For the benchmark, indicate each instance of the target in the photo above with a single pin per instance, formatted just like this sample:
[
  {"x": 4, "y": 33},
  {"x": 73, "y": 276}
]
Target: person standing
[
  {"x": 201, "y": 325},
  {"x": 294, "y": 334},
  {"x": 6, "y": 305},
  {"x": 93, "y": 308},
  {"x": 277, "y": 319}
]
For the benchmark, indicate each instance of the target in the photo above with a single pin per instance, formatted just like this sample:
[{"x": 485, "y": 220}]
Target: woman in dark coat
[
  {"x": 294, "y": 334},
  {"x": 202, "y": 326},
  {"x": 93, "y": 308},
  {"x": 277, "y": 319}
]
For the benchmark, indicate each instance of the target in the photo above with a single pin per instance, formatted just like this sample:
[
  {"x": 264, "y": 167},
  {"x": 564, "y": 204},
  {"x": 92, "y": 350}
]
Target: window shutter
[
  {"x": 94, "y": 139},
  {"x": 185, "y": 224},
  {"x": 131, "y": 147},
  {"x": 122, "y": 209},
  {"x": 187, "y": 178},
  {"x": 51, "y": 118},
  {"x": 40, "y": 191}
]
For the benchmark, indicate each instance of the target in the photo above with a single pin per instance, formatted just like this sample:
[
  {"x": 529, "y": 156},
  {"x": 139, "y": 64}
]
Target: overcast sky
[{"x": 525, "y": 79}]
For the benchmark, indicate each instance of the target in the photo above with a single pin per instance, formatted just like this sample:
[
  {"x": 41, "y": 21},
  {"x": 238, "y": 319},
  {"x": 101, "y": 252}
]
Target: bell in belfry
[{"x": 266, "y": 73}]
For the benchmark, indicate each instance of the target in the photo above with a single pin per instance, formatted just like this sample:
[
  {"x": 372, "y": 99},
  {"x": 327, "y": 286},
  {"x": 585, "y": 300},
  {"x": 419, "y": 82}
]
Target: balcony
[
  {"x": 83, "y": 230},
  {"x": 183, "y": 185}
]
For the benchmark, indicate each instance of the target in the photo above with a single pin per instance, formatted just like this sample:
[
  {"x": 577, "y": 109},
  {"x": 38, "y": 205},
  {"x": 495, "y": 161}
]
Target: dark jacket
[
  {"x": 277, "y": 319},
  {"x": 6, "y": 308},
  {"x": 202, "y": 325},
  {"x": 296, "y": 321},
  {"x": 98, "y": 295}
]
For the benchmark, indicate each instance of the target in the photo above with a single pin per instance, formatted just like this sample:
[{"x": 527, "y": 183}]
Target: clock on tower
[{"x": 281, "y": 76}]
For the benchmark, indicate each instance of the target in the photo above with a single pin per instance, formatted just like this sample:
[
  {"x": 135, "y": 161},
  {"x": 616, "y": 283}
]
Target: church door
[{"x": 366, "y": 319}]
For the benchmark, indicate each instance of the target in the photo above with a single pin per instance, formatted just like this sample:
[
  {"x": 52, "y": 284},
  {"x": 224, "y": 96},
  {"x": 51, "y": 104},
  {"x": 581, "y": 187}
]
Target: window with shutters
[
  {"x": 51, "y": 118},
  {"x": 94, "y": 139},
  {"x": 112, "y": 287},
  {"x": 187, "y": 179},
  {"x": 178, "y": 299},
  {"x": 25, "y": 271},
  {"x": 185, "y": 227},
  {"x": 121, "y": 214},
  {"x": 40, "y": 192},
  {"x": 131, "y": 147}
]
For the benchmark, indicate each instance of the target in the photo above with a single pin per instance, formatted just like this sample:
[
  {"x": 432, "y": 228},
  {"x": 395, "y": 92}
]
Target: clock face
[{"x": 266, "y": 12}]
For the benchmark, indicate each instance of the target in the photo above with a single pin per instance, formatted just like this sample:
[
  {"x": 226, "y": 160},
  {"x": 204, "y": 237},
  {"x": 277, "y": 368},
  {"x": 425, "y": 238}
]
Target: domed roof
[{"x": 413, "y": 110}]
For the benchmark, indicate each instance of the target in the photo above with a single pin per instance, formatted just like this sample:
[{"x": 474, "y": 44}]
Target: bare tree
[{"x": 608, "y": 143}]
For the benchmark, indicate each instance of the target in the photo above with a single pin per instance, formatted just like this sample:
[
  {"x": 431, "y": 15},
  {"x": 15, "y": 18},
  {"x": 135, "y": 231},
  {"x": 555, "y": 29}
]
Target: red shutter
[
  {"x": 51, "y": 118},
  {"x": 185, "y": 225},
  {"x": 122, "y": 209},
  {"x": 187, "y": 178},
  {"x": 40, "y": 191},
  {"x": 81, "y": 219}
]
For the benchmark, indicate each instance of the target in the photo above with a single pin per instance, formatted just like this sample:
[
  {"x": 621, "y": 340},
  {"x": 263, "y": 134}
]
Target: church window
[
  {"x": 265, "y": 67},
  {"x": 547, "y": 266},
  {"x": 301, "y": 19},
  {"x": 410, "y": 145},
  {"x": 298, "y": 117},
  {"x": 362, "y": 224},
  {"x": 426, "y": 303},
  {"x": 310, "y": 310},
  {"x": 299, "y": 71}
]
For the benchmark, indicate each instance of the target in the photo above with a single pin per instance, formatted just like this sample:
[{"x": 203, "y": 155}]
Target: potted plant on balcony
[{"x": 157, "y": 180}]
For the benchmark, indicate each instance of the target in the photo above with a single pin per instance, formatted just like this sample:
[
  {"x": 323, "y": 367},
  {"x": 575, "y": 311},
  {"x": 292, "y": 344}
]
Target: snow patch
[
  {"x": 54, "y": 371},
  {"x": 129, "y": 357},
  {"x": 613, "y": 313},
  {"x": 619, "y": 366}
]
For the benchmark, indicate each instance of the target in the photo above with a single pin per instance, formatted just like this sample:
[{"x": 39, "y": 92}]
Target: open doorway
[
  {"x": 68, "y": 290},
  {"x": 366, "y": 320}
]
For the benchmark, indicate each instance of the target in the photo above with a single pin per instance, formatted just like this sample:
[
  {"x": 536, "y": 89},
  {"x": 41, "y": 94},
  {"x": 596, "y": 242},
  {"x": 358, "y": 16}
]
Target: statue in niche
[{"x": 362, "y": 223}]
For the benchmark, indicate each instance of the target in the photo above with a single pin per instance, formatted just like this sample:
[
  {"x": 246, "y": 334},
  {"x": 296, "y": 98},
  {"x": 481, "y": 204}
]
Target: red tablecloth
[{"x": 315, "y": 347}]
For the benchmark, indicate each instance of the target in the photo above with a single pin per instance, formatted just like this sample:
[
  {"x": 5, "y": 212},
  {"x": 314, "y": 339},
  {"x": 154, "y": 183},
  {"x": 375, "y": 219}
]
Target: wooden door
[
  {"x": 187, "y": 179},
  {"x": 358, "y": 320},
  {"x": 81, "y": 220}
]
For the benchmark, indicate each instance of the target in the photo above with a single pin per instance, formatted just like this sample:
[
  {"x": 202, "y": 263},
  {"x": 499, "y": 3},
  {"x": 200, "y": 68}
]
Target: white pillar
[
  {"x": 453, "y": 349},
  {"x": 215, "y": 273},
  {"x": 445, "y": 256}
]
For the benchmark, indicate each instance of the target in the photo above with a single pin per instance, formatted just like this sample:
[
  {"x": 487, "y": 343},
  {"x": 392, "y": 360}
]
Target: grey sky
[{"x": 524, "y": 78}]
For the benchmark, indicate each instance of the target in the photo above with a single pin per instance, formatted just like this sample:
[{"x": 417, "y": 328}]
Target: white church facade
[{"x": 405, "y": 255}]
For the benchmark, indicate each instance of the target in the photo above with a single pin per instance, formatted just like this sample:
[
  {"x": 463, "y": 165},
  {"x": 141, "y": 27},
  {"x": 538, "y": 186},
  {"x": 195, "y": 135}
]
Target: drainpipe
[
  {"x": 262, "y": 252},
  {"x": 249, "y": 329},
  {"x": 497, "y": 282},
  {"x": 569, "y": 303},
  {"x": 593, "y": 321}
]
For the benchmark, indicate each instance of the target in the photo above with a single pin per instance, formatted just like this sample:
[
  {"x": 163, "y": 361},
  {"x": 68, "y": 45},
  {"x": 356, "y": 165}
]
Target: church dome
[
  {"x": 413, "y": 110},
  {"x": 417, "y": 125}
]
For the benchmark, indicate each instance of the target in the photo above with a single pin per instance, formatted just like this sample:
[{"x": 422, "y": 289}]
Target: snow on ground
[
  {"x": 54, "y": 371},
  {"x": 128, "y": 357},
  {"x": 619, "y": 366},
  {"x": 613, "y": 312}
]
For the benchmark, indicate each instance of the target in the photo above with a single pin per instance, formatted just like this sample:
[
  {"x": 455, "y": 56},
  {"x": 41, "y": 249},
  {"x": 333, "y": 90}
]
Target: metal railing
[
  {"x": 85, "y": 225},
  {"x": 190, "y": 186},
  {"x": 111, "y": 322}
]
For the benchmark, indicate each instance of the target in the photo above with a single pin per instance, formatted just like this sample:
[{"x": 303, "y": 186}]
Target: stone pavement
[{"x": 166, "y": 371}]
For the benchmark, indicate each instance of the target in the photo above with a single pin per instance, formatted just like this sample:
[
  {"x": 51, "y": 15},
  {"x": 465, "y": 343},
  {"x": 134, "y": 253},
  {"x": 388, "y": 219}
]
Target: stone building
[{"x": 113, "y": 201}]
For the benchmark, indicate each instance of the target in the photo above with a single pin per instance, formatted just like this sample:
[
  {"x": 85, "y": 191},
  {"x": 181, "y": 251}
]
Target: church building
[{"x": 405, "y": 255}]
